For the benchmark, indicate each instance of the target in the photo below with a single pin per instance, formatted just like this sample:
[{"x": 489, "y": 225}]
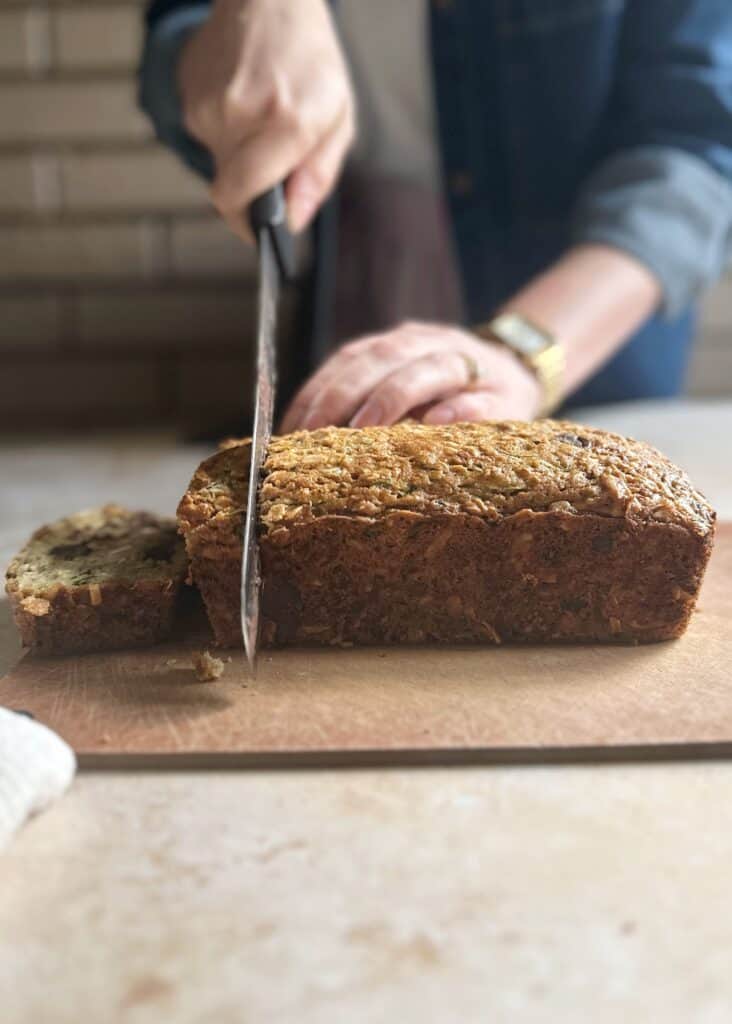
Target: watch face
[
  {"x": 526, "y": 341},
  {"x": 522, "y": 337}
]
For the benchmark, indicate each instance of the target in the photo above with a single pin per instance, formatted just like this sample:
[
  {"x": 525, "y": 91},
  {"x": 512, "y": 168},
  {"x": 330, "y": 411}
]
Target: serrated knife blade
[
  {"x": 274, "y": 243},
  {"x": 251, "y": 575}
]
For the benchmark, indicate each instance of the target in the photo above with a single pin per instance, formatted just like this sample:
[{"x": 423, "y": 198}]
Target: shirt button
[{"x": 460, "y": 183}]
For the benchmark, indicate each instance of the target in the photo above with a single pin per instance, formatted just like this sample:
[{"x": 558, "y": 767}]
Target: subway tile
[
  {"x": 46, "y": 172},
  {"x": 16, "y": 184},
  {"x": 717, "y": 306},
  {"x": 710, "y": 339},
  {"x": 214, "y": 397},
  {"x": 13, "y": 49},
  {"x": 68, "y": 392},
  {"x": 220, "y": 385},
  {"x": 91, "y": 37},
  {"x": 68, "y": 251},
  {"x": 29, "y": 322},
  {"x": 29, "y": 183},
  {"x": 24, "y": 40},
  {"x": 711, "y": 370},
  {"x": 155, "y": 248},
  {"x": 207, "y": 247},
  {"x": 69, "y": 111},
  {"x": 166, "y": 319},
  {"x": 215, "y": 389},
  {"x": 152, "y": 179}
]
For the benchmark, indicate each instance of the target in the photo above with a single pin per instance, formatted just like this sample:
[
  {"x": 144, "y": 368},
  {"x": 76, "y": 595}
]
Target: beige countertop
[{"x": 472, "y": 894}]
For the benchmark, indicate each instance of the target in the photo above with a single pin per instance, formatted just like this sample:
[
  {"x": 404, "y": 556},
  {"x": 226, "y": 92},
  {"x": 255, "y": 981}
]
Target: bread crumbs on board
[{"x": 207, "y": 668}]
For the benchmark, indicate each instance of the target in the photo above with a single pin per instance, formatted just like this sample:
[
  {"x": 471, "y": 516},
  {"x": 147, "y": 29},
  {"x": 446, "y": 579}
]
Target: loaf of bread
[
  {"x": 103, "y": 579},
  {"x": 487, "y": 533}
]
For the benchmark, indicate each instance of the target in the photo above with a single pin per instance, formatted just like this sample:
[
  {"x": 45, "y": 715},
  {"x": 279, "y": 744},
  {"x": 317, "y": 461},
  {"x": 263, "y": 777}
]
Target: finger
[
  {"x": 463, "y": 407},
  {"x": 343, "y": 383},
  {"x": 339, "y": 367},
  {"x": 430, "y": 377},
  {"x": 258, "y": 164},
  {"x": 311, "y": 183},
  {"x": 365, "y": 367},
  {"x": 304, "y": 398},
  {"x": 334, "y": 394}
]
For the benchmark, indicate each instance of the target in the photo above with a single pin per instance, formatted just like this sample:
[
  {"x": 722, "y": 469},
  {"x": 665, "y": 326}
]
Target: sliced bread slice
[{"x": 103, "y": 579}]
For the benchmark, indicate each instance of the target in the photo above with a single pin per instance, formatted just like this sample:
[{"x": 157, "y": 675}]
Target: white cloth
[{"x": 36, "y": 767}]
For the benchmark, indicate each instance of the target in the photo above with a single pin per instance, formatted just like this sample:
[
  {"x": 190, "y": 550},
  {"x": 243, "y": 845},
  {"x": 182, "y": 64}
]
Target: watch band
[{"x": 536, "y": 348}]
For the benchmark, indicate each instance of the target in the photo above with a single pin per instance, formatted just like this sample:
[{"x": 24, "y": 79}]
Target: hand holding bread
[{"x": 432, "y": 372}]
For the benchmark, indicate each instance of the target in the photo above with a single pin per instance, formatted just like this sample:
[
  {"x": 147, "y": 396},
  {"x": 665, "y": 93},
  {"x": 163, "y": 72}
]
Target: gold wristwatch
[{"x": 536, "y": 348}]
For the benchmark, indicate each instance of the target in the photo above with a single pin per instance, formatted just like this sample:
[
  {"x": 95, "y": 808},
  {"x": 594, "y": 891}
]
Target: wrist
[{"x": 537, "y": 351}]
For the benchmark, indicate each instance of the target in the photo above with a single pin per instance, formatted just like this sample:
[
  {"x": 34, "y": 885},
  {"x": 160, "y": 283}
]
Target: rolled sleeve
[
  {"x": 669, "y": 209},
  {"x": 662, "y": 184},
  {"x": 158, "y": 90}
]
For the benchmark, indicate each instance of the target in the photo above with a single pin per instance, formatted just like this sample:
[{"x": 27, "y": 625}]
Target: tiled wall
[
  {"x": 711, "y": 371},
  {"x": 122, "y": 299}
]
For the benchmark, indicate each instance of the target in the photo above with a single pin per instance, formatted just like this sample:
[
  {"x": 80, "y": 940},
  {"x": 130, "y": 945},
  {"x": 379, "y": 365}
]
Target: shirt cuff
[
  {"x": 158, "y": 89},
  {"x": 666, "y": 207}
]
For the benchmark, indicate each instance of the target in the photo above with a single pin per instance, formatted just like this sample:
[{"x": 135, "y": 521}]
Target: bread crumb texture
[
  {"x": 476, "y": 532},
  {"x": 37, "y": 606},
  {"x": 489, "y": 470},
  {"x": 207, "y": 668},
  {"x": 90, "y": 548},
  {"x": 102, "y": 579}
]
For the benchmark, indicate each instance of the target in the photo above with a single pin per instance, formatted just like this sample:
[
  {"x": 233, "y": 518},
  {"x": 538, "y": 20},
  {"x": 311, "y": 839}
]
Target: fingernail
[{"x": 445, "y": 414}]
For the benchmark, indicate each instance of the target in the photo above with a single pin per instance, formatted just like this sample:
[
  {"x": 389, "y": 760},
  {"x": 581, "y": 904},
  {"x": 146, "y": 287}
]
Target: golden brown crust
[
  {"x": 374, "y": 535},
  {"x": 484, "y": 469},
  {"x": 103, "y": 579}
]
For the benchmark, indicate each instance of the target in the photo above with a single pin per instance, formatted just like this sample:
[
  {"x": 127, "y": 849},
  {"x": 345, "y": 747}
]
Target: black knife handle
[{"x": 268, "y": 212}]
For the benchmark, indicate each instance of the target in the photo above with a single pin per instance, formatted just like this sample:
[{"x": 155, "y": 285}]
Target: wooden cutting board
[{"x": 398, "y": 705}]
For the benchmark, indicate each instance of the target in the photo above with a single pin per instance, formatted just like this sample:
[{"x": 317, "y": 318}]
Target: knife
[{"x": 268, "y": 219}]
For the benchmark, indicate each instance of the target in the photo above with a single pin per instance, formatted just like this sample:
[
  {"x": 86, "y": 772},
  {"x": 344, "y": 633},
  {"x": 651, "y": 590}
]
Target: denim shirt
[{"x": 561, "y": 122}]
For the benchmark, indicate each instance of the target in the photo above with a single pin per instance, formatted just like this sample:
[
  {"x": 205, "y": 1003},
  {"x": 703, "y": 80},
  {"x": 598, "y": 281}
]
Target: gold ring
[{"x": 472, "y": 367}]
